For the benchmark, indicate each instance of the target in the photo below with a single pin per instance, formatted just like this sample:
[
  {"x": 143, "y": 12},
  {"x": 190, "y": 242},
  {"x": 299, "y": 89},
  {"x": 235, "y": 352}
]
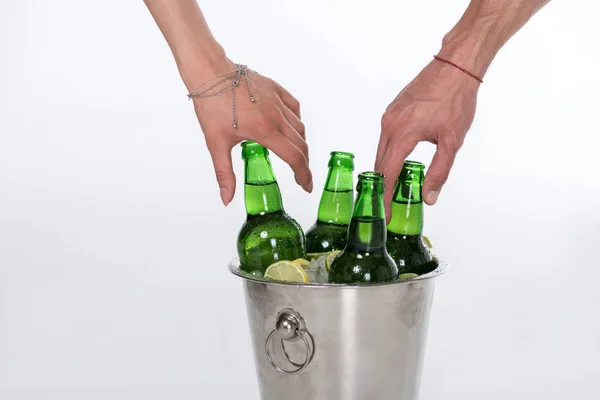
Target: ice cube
[{"x": 317, "y": 271}]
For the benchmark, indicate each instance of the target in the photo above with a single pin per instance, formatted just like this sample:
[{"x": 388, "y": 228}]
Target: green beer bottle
[
  {"x": 365, "y": 258},
  {"x": 269, "y": 234},
  {"x": 330, "y": 231},
  {"x": 405, "y": 230}
]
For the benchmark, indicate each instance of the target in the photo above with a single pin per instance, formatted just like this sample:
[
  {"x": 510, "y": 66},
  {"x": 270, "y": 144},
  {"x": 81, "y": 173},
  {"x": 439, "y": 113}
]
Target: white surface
[{"x": 114, "y": 243}]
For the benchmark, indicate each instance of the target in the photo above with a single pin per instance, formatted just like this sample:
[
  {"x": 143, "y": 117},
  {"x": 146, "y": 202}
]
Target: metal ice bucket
[{"x": 338, "y": 342}]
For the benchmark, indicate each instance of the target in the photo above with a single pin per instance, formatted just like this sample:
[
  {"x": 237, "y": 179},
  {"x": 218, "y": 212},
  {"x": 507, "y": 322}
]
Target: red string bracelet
[{"x": 459, "y": 67}]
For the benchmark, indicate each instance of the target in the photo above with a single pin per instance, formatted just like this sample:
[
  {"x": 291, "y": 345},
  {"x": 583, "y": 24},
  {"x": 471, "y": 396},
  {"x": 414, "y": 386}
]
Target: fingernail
[
  {"x": 432, "y": 197},
  {"x": 310, "y": 187},
  {"x": 296, "y": 178},
  {"x": 225, "y": 196}
]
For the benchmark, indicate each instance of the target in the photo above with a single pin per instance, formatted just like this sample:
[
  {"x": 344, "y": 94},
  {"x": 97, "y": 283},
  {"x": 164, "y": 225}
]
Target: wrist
[
  {"x": 200, "y": 62},
  {"x": 472, "y": 45}
]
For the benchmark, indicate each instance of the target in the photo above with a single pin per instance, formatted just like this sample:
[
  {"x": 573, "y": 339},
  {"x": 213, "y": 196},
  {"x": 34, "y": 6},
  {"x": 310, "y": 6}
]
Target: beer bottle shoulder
[
  {"x": 267, "y": 238},
  {"x": 410, "y": 253},
  {"x": 325, "y": 237},
  {"x": 363, "y": 267}
]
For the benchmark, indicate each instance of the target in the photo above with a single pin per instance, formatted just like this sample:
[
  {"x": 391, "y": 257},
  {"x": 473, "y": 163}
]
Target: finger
[
  {"x": 292, "y": 155},
  {"x": 221, "y": 157},
  {"x": 290, "y": 132},
  {"x": 384, "y": 138},
  {"x": 381, "y": 150},
  {"x": 438, "y": 173},
  {"x": 391, "y": 166},
  {"x": 290, "y": 101},
  {"x": 293, "y": 119}
]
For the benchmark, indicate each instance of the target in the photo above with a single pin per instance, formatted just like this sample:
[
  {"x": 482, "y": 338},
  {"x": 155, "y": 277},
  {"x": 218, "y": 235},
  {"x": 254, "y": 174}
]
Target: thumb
[
  {"x": 437, "y": 174},
  {"x": 221, "y": 157}
]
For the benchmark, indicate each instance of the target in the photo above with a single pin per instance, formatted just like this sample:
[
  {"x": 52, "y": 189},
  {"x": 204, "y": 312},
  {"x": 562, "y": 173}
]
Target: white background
[{"x": 114, "y": 242}]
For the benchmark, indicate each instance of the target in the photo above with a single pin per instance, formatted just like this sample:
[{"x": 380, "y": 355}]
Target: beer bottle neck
[
  {"x": 261, "y": 192},
  {"x": 367, "y": 231},
  {"x": 407, "y": 205},
  {"x": 337, "y": 200}
]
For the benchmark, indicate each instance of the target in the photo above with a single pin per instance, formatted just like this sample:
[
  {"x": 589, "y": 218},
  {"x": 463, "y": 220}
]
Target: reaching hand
[
  {"x": 273, "y": 120},
  {"x": 438, "y": 106}
]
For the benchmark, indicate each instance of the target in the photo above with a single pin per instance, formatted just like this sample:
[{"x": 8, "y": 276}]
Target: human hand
[
  {"x": 273, "y": 120},
  {"x": 438, "y": 106}
]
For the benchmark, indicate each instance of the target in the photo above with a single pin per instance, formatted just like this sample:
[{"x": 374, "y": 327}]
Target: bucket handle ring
[{"x": 290, "y": 327}]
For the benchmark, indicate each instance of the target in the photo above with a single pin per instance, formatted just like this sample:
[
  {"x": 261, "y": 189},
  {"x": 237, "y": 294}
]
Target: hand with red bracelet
[{"x": 438, "y": 106}]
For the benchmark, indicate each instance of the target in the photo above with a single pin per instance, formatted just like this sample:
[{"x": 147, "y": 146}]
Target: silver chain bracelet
[{"x": 235, "y": 76}]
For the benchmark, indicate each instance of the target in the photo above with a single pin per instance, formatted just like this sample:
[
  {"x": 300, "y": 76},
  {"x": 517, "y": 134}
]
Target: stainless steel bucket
[{"x": 330, "y": 342}]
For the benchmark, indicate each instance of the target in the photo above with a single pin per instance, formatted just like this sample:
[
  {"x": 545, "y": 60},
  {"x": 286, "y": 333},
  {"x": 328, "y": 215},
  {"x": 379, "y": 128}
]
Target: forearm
[
  {"x": 188, "y": 35},
  {"x": 484, "y": 28}
]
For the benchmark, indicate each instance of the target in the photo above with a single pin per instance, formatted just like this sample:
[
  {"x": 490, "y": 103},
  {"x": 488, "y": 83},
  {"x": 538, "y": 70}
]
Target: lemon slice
[
  {"x": 427, "y": 242},
  {"x": 301, "y": 262},
  {"x": 407, "y": 276},
  {"x": 286, "y": 271},
  {"x": 330, "y": 257}
]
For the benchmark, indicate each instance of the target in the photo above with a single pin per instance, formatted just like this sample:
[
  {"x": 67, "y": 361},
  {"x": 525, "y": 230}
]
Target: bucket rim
[{"x": 234, "y": 268}]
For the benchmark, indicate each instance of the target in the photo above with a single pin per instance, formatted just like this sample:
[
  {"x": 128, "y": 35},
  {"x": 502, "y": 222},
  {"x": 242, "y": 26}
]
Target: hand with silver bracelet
[{"x": 232, "y": 102}]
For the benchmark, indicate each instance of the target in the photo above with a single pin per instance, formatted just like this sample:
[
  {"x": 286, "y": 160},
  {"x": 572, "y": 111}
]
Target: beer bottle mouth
[
  {"x": 370, "y": 182},
  {"x": 371, "y": 176},
  {"x": 409, "y": 183},
  {"x": 251, "y": 149},
  {"x": 412, "y": 172},
  {"x": 341, "y": 159},
  {"x": 414, "y": 165},
  {"x": 341, "y": 154}
]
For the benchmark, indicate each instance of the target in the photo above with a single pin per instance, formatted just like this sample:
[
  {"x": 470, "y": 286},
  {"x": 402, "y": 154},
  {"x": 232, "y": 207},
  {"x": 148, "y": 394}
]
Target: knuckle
[
  {"x": 297, "y": 158},
  {"x": 439, "y": 178},
  {"x": 384, "y": 169},
  {"x": 222, "y": 174},
  {"x": 452, "y": 143},
  {"x": 420, "y": 113},
  {"x": 218, "y": 144},
  {"x": 301, "y": 127},
  {"x": 273, "y": 84},
  {"x": 295, "y": 104},
  {"x": 304, "y": 147},
  {"x": 270, "y": 110},
  {"x": 211, "y": 141},
  {"x": 387, "y": 119}
]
